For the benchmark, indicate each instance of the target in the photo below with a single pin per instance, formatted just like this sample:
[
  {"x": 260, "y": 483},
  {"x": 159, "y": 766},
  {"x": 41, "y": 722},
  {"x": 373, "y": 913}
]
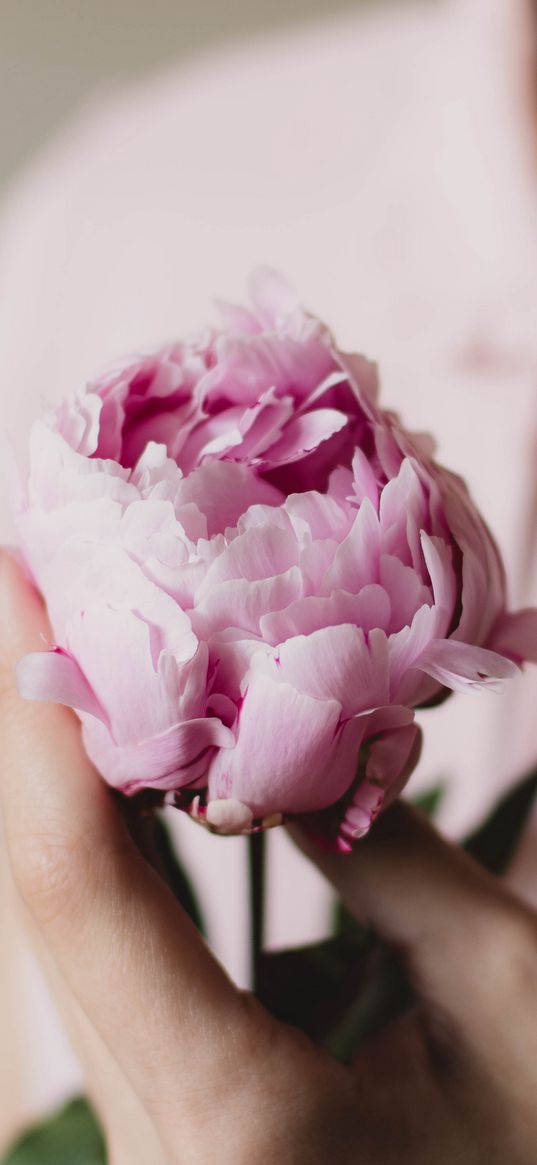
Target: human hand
[{"x": 190, "y": 1070}]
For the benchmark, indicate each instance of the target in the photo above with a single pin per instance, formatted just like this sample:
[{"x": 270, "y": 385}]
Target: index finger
[
  {"x": 133, "y": 959},
  {"x": 469, "y": 945}
]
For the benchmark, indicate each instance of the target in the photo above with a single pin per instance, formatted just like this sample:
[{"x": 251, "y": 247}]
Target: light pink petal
[
  {"x": 461, "y": 666},
  {"x": 304, "y": 434},
  {"x": 261, "y": 552},
  {"x": 142, "y": 685},
  {"x": 406, "y": 591},
  {"x": 318, "y": 515},
  {"x": 439, "y": 561},
  {"x": 365, "y": 483},
  {"x": 248, "y": 366},
  {"x": 78, "y": 421},
  {"x": 407, "y": 646},
  {"x": 59, "y": 475},
  {"x": 403, "y": 515},
  {"x": 279, "y": 763},
  {"x": 231, "y": 657},
  {"x": 314, "y": 612},
  {"x": 274, "y": 299},
  {"x": 261, "y": 427},
  {"x": 220, "y": 490},
  {"x": 55, "y": 676},
  {"x": 241, "y": 604},
  {"x": 166, "y": 760},
  {"x": 237, "y": 320},
  {"x": 356, "y": 562},
  {"x": 372, "y": 608},
  {"x": 336, "y": 663},
  {"x": 316, "y": 558},
  {"x": 300, "y": 617},
  {"x": 363, "y": 377}
]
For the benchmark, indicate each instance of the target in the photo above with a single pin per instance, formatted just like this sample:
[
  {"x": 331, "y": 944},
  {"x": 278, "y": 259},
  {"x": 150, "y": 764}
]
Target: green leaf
[
  {"x": 385, "y": 993},
  {"x": 337, "y": 991},
  {"x": 344, "y": 925},
  {"x": 174, "y": 873},
  {"x": 313, "y": 986},
  {"x": 494, "y": 843},
  {"x": 430, "y": 801},
  {"x": 70, "y": 1137}
]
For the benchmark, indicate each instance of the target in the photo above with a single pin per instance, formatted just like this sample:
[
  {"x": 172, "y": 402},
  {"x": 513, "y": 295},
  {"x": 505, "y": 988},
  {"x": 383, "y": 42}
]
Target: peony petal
[
  {"x": 219, "y": 490},
  {"x": 461, "y": 666},
  {"x": 439, "y": 561},
  {"x": 363, "y": 377},
  {"x": 279, "y": 763},
  {"x": 356, "y": 562},
  {"x": 365, "y": 483},
  {"x": 54, "y": 675},
  {"x": 483, "y": 576},
  {"x": 403, "y": 516},
  {"x": 319, "y": 516},
  {"x": 407, "y": 646},
  {"x": 304, "y": 434},
  {"x": 406, "y": 591},
  {"x": 167, "y": 760},
  {"x": 274, "y": 299},
  {"x": 238, "y": 603},
  {"x": 144, "y": 687},
  {"x": 337, "y": 663},
  {"x": 392, "y": 757},
  {"x": 261, "y": 552},
  {"x": 515, "y": 635}
]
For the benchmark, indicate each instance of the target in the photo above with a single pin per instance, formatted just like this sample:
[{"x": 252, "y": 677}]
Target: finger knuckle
[
  {"x": 508, "y": 952},
  {"x": 50, "y": 871}
]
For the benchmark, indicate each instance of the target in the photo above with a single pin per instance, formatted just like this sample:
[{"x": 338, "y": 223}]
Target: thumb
[{"x": 466, "y": 941}]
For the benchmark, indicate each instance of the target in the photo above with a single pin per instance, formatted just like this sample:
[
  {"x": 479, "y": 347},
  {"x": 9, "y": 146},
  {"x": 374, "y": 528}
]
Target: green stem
[{"x": 256, "y": 862}]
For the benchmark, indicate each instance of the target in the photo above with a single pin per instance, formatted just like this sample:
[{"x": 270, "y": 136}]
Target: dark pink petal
[
  {"x": 515, "y": 635},
  {"x": 392, "y": 758}
]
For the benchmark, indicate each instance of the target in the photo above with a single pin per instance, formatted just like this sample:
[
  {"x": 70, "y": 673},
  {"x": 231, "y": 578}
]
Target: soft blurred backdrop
[
  {"x": 384, "y": 156},
  {"x": 54, "y": 54}
]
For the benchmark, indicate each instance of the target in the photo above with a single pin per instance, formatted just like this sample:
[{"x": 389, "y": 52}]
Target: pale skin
[{"x": 186, "y": 1070}]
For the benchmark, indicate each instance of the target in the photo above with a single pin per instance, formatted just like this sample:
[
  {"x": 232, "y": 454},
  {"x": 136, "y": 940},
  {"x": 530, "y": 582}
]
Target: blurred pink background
[{"x": 386, "y": 162}]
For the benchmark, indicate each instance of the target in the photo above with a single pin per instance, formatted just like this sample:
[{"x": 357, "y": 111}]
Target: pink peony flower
[{"x": 254, "y": 575}]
